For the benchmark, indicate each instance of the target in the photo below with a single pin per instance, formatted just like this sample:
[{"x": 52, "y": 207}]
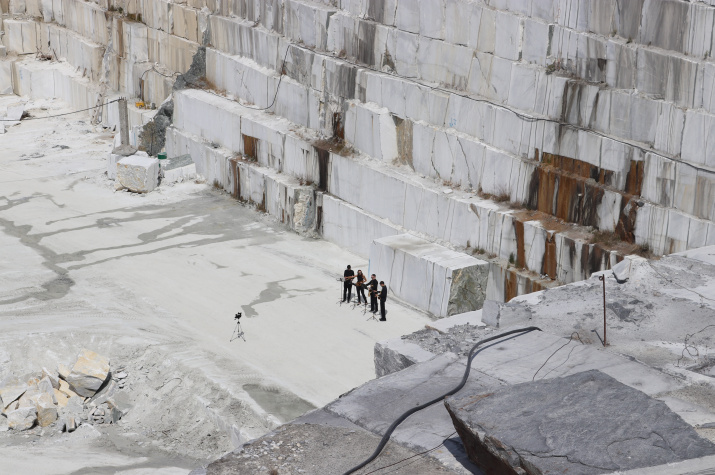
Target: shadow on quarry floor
[
  {"x": 285, "y": 406},
  {"x": 210, "y": 219}
]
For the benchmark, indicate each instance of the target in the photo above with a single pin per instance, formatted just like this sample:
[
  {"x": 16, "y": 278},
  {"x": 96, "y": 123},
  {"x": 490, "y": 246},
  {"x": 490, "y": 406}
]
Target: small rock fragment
[
  {"x": 22, "y": 419},
  {"x": 63, "y": 371},
  {"x": 65, "y": 388},
  {"x": 11, "y": 389},
  {"x": 45, "y": 385},
  {"x": 61, "y": 398},
  {"x": 70, "y": 424},
  {"x": 46, "y": 410},
  {"x": 26, "y": 399},
  {"x": 52, "y": 376}
]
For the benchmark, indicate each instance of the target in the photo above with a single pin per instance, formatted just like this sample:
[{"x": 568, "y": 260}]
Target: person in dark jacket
[
  {"x": 372, "y": 289},
  {"x": 348, "y": 277},
  {"x": 383, "y": 298}
]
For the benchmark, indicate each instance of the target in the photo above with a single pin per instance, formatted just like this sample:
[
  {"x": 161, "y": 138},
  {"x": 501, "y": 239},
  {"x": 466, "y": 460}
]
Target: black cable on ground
[
  {"x": 401, "y": 419},
  {"x": 60, "y": 115}
]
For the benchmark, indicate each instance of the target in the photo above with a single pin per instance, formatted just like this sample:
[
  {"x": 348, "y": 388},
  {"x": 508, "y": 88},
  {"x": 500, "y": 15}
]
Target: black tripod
[
  {"x": 372, "y": 316},
  {"x": 237, "y": 332},
  {"x": 341, "y": 280}
]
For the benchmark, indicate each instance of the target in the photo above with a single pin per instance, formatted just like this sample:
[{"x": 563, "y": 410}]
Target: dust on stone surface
[
  {"x": 315, "y": 450},
  {"x": 458, "y": 339}
]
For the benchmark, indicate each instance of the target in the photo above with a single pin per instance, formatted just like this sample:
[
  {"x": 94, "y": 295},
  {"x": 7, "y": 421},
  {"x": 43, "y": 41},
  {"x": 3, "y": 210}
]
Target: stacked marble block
[
  {"x": 78, "y": 33},
  {"x": 431, "y": 277},
  {"x": 464, "y": 141},
  {"x": 282, "y": 196},
  {"x": 634, "y": 95},
  {"x": 366, "y": 199}
]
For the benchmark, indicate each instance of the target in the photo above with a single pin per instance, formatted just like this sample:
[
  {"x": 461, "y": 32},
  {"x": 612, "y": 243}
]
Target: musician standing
[
  {"x": 348, "y": 277},
  {"x": 383, "y": 298},
  {"x": 360, "y": 286},
  {"x": 372, "y": 288}
]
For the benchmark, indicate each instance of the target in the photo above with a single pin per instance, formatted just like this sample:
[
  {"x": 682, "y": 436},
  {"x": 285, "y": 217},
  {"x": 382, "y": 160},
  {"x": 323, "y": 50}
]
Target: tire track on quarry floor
[
  {"x": 199, "y": 216},
  {"x": 57, "y": 287}
]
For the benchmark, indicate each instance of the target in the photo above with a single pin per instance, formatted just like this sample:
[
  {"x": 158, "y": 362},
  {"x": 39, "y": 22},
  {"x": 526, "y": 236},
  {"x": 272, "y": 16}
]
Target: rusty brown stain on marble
[
  {"x": 511, "y": 288},
  {"x": 634, "y": 179},
  {"x": 250, "y": 147},
  {"x": 236, "y": 177},
  {"x": 549, "y": 265},
  {"x": 520, "y": 253}
]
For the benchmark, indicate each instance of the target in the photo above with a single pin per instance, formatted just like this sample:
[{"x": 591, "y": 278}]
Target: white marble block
[
  {"x": 429, "y": 276},
  {"x": 138, "y": 173}
]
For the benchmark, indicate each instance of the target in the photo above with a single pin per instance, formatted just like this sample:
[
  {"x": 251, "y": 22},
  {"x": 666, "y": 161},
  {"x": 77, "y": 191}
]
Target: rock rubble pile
[{"x": 86, "y": 392}]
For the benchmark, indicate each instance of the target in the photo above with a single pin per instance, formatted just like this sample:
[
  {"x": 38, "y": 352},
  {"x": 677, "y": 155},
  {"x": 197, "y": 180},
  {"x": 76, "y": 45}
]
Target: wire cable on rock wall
[
  {"x": 405, "y": 415},
  {"x": 60, "y": 115}
]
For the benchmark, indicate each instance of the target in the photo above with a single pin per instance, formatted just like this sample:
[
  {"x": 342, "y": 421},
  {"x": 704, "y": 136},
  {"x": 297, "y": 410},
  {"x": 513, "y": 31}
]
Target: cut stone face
[
  {"x": 138, "y": 173},
  {"x": 429, "y": 276},
  {"x": 594, "y": 424},
  {"x": 46, "y": 409},
  {"x": 10, "y": 390},
  {"x": 22, "y": 419},
  {"x": 88, "y": 373}
]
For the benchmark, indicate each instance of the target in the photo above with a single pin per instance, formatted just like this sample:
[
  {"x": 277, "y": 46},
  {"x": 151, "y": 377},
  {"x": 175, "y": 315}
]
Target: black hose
[{"x": 401, "y": 419}]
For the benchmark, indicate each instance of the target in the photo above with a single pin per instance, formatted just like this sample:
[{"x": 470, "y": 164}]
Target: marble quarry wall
[{"x": 547, "y": 137}]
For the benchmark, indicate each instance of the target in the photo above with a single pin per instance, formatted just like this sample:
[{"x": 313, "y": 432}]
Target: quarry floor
[{"x": 153, "y": 281}]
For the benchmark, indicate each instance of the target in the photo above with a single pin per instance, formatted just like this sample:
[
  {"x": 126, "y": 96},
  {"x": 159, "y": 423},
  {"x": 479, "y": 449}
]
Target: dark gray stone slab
[
  {"x": 587, "y": 423},
  {"x": 176, "y": 162},
  {"x": 377, "y": 403},
  {"x": 319, "y": 449}
]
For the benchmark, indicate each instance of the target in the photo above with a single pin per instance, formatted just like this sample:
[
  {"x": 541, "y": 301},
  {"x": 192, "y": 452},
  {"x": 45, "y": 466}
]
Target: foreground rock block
[
  {"x": 22, "y": 419},
  {"x": 46, "y": 409},
  {"x": 137, "y": 173},
  {"x": 429, "y": 276},
  {"x": 11, "y": 389},
  {"x": 88, "y": 373},
  {"x": 587, "y": 423}
]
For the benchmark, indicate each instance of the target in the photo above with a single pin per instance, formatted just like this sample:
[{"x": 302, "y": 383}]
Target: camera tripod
[
  {"x": 237, "y": 333},
  {"x": 340, "y": 301}
]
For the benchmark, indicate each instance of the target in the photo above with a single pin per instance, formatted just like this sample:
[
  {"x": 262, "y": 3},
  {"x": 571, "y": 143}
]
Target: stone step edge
[
  {"x": 410, "y": 178},
  {"x": 625, "y": 195},
  {"x": 625, "y": 141}
]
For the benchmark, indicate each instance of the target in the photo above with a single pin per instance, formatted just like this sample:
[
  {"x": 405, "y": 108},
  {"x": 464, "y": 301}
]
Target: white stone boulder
[
  {"x": 88, "y": 373},
  {"x": 10, "y": 390},
  {"x": 61, "y": 398},
  {"x": 52, "y": 376},
  {"x": 45, "y": 385},
  {"x": 22, "y": 419},
  {"x": 5, "y": 77},
  {"x": 63, "y": 371},
  {"x": 117, "y": 154},
  {"x": 137, "y": 173},
  {"x": 65, "y": 387},
  {"x": 46, "y": 409},
  {"x": 429, "y": 276}
]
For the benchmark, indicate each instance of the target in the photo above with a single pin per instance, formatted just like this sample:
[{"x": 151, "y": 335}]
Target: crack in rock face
[{"x": 586, "y": 423}]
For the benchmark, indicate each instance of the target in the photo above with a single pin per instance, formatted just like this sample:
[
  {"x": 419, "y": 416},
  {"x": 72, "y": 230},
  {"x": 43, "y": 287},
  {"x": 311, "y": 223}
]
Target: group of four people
[{"x": 360, "y": 283}]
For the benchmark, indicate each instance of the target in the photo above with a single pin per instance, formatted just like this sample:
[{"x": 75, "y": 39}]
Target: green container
[{"x": 162, "y": 156}]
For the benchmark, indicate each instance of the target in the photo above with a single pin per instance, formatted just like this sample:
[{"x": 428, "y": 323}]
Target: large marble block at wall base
[
  {"x": 138, "y": 173},
  {"x": 5, "y": 77},
  {"x": 429, "y": 276}
]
